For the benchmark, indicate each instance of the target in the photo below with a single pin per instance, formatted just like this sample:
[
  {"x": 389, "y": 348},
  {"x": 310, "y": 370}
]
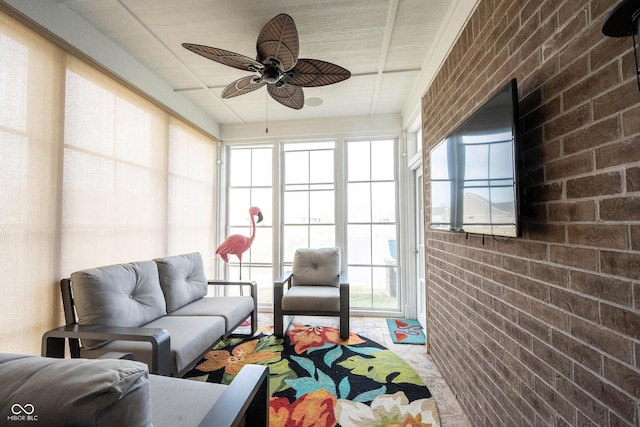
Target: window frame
[
  {"x": 397, "y": 222},
  {"x": 340, "y": 173}
]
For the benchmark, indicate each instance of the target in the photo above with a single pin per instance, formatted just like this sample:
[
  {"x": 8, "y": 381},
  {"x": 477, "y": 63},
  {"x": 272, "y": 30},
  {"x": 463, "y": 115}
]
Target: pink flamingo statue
[{"x": 237, "y": 244}]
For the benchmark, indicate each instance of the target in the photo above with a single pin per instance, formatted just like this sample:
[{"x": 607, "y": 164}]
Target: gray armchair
[{"x": 314, "y": 287}]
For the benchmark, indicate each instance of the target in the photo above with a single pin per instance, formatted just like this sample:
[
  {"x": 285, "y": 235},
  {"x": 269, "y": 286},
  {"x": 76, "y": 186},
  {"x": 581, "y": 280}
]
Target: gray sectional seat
[
  {"x": 112, "y": 392},
  {"x": 159, "y": 311},
  {"x": 184, "y": 285}
]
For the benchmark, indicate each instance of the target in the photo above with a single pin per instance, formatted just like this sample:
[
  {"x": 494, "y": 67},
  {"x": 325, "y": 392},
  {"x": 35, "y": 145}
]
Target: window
[
  {"x": 309, "y": 194},
  {"x": 371, "y": 225},
  {"x": 315, "y": 213},
  {"x": 250, "y": 184}
]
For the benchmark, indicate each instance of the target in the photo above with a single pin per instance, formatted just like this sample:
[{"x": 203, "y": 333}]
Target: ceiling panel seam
[
  {"x": 384, "y": 52},
  {"x": 179, "y": 61}
]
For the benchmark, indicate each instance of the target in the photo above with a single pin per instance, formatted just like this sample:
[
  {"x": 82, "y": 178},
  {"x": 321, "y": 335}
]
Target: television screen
[{"x": 474, "y": 184}]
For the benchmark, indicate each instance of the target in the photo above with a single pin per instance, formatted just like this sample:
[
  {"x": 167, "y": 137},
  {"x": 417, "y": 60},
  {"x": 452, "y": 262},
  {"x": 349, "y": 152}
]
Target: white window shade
[
  {"x": 115, "y": 172},
  {"x": 30, "y": 167},
  {"x": 91, "y": 174},
  {"x": 192, "y": 172}
]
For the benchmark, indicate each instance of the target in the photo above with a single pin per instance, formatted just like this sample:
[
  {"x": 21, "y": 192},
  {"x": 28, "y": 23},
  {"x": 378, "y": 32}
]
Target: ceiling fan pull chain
[{"x": 266, "y": 106}]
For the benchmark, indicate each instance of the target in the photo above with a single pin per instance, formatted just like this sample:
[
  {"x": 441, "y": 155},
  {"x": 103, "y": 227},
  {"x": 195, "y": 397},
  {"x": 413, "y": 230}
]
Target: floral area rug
[{"x": 317, "y": 379}]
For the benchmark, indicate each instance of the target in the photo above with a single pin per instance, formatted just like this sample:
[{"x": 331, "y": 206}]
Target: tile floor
[{"x": 375, "y": 328}]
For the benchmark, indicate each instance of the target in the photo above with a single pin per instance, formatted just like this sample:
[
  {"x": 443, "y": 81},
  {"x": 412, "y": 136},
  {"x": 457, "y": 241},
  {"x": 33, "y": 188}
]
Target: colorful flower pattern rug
[{"x": 318, "y": 379}]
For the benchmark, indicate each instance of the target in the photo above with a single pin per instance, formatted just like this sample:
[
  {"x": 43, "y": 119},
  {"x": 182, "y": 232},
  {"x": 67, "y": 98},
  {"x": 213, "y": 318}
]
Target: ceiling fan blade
[
  {"x": 242, "y": 86},
  {"x": 225, "y": 57},
  {"x": 289, "y": 96},
  {"x": 279, "y": 39},
  {"x": 313, "y": 72}
]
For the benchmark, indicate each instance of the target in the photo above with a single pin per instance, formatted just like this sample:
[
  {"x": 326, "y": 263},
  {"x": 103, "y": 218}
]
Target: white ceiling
[{"x": 386, "y": 44}]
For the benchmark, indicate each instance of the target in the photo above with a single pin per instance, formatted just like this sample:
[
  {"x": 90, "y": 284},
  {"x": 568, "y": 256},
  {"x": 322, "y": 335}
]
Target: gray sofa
[
  {"x": 112, "y": 392},
  {"x": 156, "y": 310}
]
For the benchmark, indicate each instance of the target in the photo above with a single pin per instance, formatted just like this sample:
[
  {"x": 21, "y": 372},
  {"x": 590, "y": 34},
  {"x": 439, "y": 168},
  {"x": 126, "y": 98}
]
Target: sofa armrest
[
  {"x": 253, "y": 286},
  {"x": 53, "y": 341},
  {"x": 246, "y": 399}
]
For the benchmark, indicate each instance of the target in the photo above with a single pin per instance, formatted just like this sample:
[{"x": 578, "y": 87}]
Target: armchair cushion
[
  {"x": 303, "y": 298},
  {"x": 316, "y": 267},
  {"x": 64, "y": 392},
  {"x": 117, "y": 295},
  {"x": 182, "y": 279}
]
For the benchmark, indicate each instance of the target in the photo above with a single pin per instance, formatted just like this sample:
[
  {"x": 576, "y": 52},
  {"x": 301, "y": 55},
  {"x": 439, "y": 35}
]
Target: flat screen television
[{"x": 474, "y": 179}]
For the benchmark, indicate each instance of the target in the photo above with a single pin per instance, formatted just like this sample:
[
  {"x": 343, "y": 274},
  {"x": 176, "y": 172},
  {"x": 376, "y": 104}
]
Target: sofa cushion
[
  {"x": 190, "y": 336},
  {"x": 182, "y": 279},
  {"x": 181, "y": 402},
  {"x": 316, "y": 267},
  {"x": 65, "y": 392},
  {"x": 234, "y": 309},
  {"x": 117, "y": 295}
]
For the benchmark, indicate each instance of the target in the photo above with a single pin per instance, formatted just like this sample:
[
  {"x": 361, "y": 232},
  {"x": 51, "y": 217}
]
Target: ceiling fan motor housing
[{"x": 271, "y": 74}]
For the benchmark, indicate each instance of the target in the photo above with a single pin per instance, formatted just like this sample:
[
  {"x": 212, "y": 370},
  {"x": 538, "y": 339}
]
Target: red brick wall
[{"x": 544, "y": 329}]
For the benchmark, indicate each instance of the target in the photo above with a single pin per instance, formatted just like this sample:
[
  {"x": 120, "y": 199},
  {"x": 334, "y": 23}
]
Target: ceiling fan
[{"x": 277, "y": 65}]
